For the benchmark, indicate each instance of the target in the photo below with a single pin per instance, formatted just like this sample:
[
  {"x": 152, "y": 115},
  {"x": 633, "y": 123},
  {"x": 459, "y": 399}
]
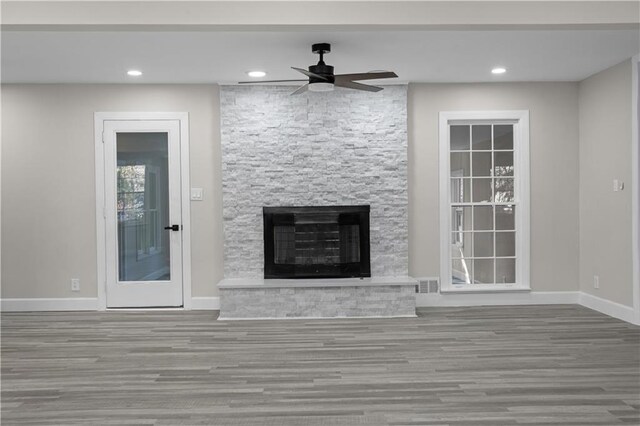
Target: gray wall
[
  {"x": 48, "y": 206},
  {"x": 605, "y": 154},
  {"x": 48, "y": 182},
  {"x": 554, "y": 172},
  {"x": 339, "y": 148}
]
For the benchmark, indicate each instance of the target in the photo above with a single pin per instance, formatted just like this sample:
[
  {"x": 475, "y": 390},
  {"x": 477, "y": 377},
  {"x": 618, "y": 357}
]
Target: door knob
[{"x": 173, "y": 227}]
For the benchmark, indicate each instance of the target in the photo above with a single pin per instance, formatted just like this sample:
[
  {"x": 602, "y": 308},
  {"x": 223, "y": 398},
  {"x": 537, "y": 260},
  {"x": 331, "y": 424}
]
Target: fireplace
[{"x": 316, "y": 242}]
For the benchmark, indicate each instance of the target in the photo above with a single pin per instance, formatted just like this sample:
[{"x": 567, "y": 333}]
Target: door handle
[{"x": 173, "y": 227}]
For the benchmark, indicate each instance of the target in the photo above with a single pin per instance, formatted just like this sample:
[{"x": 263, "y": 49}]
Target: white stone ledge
[
  {"x": 316, "y": 318},
  {"x": 233, "y": 283}
]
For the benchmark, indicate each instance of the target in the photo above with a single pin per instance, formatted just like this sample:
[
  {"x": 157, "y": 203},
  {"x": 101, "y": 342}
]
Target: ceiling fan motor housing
[{"x": 323, "y": 70}]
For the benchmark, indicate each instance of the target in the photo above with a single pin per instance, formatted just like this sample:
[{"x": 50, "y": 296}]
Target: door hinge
[
  {"x": 102, "y": 137},
  {"x": 104, "y": 212}
]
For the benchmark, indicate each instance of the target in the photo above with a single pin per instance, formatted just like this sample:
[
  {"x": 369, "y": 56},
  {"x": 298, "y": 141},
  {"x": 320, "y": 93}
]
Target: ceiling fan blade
[
  {"x": 366, "y": 76},
  {"x": 310, "y": 74},
  {"x": 267, "y": 81},
  {"x": 301, "y": 89},
  {"x": 357, "y": 86}
]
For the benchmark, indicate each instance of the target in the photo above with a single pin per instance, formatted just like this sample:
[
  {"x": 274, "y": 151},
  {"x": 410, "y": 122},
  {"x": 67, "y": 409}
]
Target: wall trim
[
  {"x": 496, "y": 299},
  {"x": 635, "y": 186},
  {"x": 205, "y": 303},
  {"x": 522, "y": 177},
  {"x": 88, "y": 304},
  {"x": 615, "y": 310},
  {"x": 607, "y": 307},
  {"x": 99, "y": 158},
  {"x": 49, "y": 304}
]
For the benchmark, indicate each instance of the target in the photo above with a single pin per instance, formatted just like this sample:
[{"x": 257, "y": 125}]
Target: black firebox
[{"x": 316, "y": 242}]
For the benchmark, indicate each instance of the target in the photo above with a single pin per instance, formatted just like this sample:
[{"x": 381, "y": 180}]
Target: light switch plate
[
  {"x": 618, "y": 185},
  {"x": 197, "y": 194}
]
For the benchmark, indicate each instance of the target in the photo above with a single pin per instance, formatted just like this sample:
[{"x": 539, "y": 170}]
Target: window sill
[{"x": 473, "y": 288}]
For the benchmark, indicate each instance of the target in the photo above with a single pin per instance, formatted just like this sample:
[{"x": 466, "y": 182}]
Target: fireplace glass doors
[{"x": 316, "y": 242}]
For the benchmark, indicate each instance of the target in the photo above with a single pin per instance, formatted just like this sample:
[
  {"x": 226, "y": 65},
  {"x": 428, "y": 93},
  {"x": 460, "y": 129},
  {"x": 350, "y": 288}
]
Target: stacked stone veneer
[
  {"x": 318, "y": 302},
  {"x": 338, "y": 148}
]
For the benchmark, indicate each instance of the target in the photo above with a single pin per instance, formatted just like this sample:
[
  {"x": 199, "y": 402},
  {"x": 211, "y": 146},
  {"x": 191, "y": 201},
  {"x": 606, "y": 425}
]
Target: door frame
[
  {"x": 635, "y": 184},
  {"x": 185, "y": 200}
]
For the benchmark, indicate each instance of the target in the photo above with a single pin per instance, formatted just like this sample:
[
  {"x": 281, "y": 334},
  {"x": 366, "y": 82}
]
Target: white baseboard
[
  {"x": 607, "y": 307},
  {"x": 205, "y": 303},
  {"x": 84, "y": 304},
  {"x": 506, "y": 298},
  {"x": 52, "y": 304}
]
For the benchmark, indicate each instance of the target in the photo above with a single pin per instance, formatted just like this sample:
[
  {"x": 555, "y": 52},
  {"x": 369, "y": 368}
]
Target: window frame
[{"x": 521, "y": 159}]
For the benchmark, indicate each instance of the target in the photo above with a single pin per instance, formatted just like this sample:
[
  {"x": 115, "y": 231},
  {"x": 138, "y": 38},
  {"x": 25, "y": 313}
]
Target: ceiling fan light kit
[
  {"x": 321, "y": 87},
  {"x": 323, "y": 79}
]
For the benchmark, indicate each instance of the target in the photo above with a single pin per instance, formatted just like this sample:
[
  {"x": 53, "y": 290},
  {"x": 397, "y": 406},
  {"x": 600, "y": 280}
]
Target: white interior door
[{"x": 143, "y": 213}]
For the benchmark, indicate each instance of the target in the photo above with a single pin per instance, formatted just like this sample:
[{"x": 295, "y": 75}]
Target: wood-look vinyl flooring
[{"x": 515, "y": 365}]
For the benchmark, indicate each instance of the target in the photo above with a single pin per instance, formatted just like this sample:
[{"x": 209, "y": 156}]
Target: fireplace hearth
[{"x": 316, "y": 242}]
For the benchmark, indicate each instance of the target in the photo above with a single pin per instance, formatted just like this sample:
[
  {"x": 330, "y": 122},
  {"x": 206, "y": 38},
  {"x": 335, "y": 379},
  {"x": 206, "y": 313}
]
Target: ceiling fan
[{"x": 322, "y": 79}]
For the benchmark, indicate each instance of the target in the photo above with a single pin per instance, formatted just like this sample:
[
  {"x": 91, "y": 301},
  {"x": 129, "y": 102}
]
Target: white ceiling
[{"x": 224, "y": 57}]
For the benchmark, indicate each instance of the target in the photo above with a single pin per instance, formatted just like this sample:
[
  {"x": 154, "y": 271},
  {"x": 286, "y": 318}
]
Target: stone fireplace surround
[{"x": 316, "y": 149}]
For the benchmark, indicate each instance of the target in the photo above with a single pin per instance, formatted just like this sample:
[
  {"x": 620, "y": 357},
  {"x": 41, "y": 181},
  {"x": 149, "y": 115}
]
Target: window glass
[
  {"x": 459, "y": 137},
  {"x": 483, "y": 204}
]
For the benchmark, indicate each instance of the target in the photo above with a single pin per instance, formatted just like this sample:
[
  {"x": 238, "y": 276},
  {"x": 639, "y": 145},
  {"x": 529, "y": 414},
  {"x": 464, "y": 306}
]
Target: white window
[{"x": 484, "y": 200}]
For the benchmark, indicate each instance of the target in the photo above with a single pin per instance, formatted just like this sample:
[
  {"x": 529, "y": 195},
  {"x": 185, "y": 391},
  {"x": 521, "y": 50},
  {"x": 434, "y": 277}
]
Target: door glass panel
[{"x": 143, "y": 206}]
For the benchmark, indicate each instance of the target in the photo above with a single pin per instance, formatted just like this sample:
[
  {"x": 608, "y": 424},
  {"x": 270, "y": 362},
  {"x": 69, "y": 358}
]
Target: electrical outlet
[
  {"x": 75, "y": 284},
  {"x": 596, "y": 281}
]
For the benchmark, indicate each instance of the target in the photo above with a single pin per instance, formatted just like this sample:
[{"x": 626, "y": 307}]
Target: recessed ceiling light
[
  {"x": 256, "y": 74},
  {"x": 498, "y": 70},
  {"x": 134, "y": 73}
]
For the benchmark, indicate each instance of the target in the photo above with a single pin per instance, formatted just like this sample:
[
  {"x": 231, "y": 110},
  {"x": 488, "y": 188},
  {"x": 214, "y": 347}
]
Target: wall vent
[{"x": 428, "y": 285}]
